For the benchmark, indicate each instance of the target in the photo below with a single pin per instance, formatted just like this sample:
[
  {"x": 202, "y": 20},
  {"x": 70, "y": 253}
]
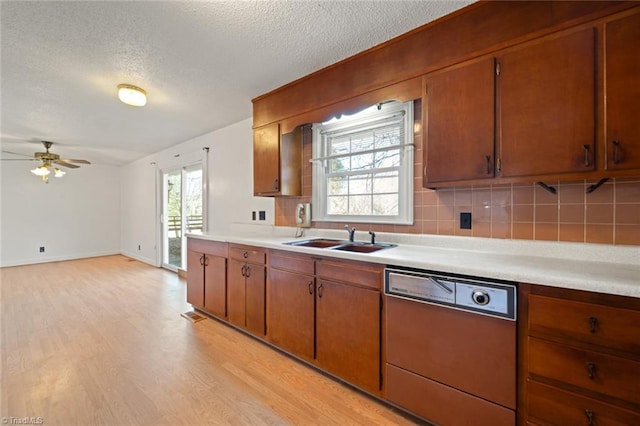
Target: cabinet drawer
[
  {"x": 441, "y": 404},
  {"x": 609, "y": 375},
  {"x": 591, "y": 323},
  {"x": 547, "y": 405},
  {"x": 362, "y": 274},
  {"x": 300, "y": 264},
  {"x": 247, "y": 254},
  {"x": 215, "y": 248}
]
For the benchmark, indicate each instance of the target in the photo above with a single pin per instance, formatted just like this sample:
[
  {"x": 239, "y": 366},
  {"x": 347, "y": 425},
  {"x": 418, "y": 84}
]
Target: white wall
[
  {"x": 230, "y": 188},
  {"x": 72, "y": 217}
]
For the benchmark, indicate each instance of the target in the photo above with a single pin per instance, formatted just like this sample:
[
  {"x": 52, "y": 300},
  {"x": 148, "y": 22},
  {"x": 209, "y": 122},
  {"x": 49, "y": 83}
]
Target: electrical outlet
[
  {"x": 42, "y": 249},
  {"x": 138, "y": 247},
  {"x": 253, "y": 215},
  {"x": 465, "y": 220},
  {"x": 262, "y": 215}
]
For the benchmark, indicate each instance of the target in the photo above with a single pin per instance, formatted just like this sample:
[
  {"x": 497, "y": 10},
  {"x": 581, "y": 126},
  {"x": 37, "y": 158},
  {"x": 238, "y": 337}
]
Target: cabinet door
[
  {"x": 255, "y": 299},
  {"x": 266, "y": 160},
  {"x": 290, "y": 303},
  {"x": 215, "y": 285},
  {"x": 623, "y": 93},
  {"x": 195, "y": 279},
  {"x": 547, "y": 106},
  {"x": 348, "y": 333},
  {"x": 459, "y": 119},
  {"x": 236, "y": 293}
]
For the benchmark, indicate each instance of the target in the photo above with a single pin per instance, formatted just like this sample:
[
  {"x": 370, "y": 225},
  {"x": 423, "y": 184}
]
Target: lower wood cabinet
[
  {"x": 579, "y": 358},
  {"x": 246, "y": 288},
  {"x": 207, "y": 276},
  {"x": 327, "y": 311}
]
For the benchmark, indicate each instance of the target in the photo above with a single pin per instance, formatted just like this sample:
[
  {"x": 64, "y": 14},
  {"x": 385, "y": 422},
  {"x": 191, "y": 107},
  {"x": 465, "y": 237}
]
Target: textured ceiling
[{"x": 200, "y": 62}]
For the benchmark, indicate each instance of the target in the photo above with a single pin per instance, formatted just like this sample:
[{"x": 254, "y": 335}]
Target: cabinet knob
[
  {"x": 616, "y": 146},
  {"x": 245, "y": 254},
  {"x": 320, "y": 291},
  {"x": 590, "y": 417},
  {"x": 206, "y": 260},
  {"x": 593, "y": 324},
  {"x": 276, "y": 184},
  {"x": 243, "y": 270},
  {"x": 587, "y": 161},
  {"x": 247, "y": 271},
  {"x": 310, "y": 286},
  {"x": 202, "y": 260},
  {"x": 591, "y": 370},
  {"x": 488, "y": 159}
]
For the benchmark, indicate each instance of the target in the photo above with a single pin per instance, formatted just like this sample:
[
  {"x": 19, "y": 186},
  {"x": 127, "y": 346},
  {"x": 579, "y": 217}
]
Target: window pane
[
  {"x": 360, "y": 204},
  {"x": 385, "y": 182},
  {"x": 337, "y": 185},
  {"x": 362, "y": 162},
  {"x": 339, "y": 145},
  {"x": 387, "y": 159},
  {"x": 339, "y": 165},
  {"x": 360, "y": 184},
  {"x": 362, "y": 141},
  {"x": 387, "y": 136},
  {"x": 337, "y": 205},
  {"x": 385, "y": 205}
]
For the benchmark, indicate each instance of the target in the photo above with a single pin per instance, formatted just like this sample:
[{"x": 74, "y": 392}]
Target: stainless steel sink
[
  {"x": 325, "y": 243},
  {"x": 362, "y": 247}
]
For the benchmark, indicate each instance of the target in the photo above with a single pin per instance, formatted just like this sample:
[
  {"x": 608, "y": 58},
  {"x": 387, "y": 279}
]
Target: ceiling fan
[{"x": 48, "y": 160}]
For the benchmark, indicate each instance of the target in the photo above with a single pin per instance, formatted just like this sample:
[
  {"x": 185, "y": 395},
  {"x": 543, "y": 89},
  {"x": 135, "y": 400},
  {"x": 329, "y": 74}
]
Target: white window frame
[{"x": 355, "y": 123}]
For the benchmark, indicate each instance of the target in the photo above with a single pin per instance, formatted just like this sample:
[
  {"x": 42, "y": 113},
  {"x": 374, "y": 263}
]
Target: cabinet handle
[
  {"x": 245, "y": 254},
  {"x": 248, "y": 271},
  {"x": 593, "y": 324},
  {"x": 206, "y": 260},
  {"x": 590, "y": 414},
  {"x": 488, "y": 158},
  {"x": 320, "y": 290},
  {"x": 243, "y": 269},
  {"x": 202, "y": 260},
  {"x": 586, "y": 155},
  {"x": 591, "y": 369},
  {"x": 616, "y": 145},
  {"x": 276, "y": 184},
  {"x": 311, "y": 287}
]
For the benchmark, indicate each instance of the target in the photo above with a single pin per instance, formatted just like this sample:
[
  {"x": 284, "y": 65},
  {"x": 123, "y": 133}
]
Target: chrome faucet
[
  {"x": 373, "y": 237},
  {"x": 351, "y": 231}
]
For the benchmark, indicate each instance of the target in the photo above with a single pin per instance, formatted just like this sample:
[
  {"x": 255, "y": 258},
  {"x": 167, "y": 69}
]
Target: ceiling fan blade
[
  {"x": 65, "y": 164},
  {"x": 74, "y": 161},
  {"x": 18, "y": 159},
  {"x": 16, "y": 153}
]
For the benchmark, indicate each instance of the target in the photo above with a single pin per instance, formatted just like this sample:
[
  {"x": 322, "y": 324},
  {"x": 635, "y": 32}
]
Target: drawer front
[
  {"x": 294, "y": 264},
  {"x": 606, "y": 326},
  {"x": 362, "y": 274},
  {"x": 547, "y": 405},
  {"x": 609, "y": 375},
  {"x": 215, "y": 248},
  {"x": 441, "y": 404},
  {"x": 247, "y": 254}
]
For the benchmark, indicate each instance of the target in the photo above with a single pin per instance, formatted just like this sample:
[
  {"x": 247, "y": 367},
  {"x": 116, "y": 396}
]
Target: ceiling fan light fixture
[
  {"x": 58, "y": 173},
  {"x": 132, "y": 95},
  {"x": 41, "y": 171}
]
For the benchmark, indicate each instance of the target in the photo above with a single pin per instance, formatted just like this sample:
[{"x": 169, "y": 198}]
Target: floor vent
[{"x": 192, "y": 316}]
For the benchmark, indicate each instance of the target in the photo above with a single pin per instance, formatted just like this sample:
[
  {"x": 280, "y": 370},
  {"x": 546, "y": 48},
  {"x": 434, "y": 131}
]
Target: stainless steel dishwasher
[{"x": 451, "y": 347}]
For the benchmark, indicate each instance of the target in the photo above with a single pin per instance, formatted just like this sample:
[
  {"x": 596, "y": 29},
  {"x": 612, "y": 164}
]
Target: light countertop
[{"x": 591, "y": 267}]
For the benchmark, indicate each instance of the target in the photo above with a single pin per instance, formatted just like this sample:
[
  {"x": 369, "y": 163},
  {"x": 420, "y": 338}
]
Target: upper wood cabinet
[
  {"x": 547, "y": 107},
  {"x": 622, "y": 85},
  {"x": 277, "y": 161},
  {"x": 459, "y": 119}
]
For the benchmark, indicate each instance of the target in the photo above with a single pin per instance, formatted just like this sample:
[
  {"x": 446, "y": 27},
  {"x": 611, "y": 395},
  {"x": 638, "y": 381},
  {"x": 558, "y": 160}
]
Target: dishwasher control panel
[{"x": 478, "y": 295}]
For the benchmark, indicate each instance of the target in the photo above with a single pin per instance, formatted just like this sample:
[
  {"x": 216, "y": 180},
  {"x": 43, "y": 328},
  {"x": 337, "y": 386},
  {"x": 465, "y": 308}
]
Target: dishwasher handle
[{"x": 441, "y": 285}]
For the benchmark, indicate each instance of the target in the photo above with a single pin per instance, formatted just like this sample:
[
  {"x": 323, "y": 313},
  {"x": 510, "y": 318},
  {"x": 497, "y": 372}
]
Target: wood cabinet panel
[
  {"x": 459, "y": 112},
  {"x": 290, "y": 308},
  {"x": 215, "y": 285},
  {"x": 247, "y": 254},
  {"x": 363, "y": 274},
  {"x": 547, "y": 104},
  {"x": 255, "y": 299},
  {"x": 303, "y": 264},
  {"x": 442, "y": 404},
  {"x": 553, "y": 406},
  {"x": 266, "y": 164},
  {"x": 604, "y": 326},
  {"x": 595, "y": 371},
  {"x": 348, "y": 333},
  {"x": 195, "y": 278},
  {"x": 622, "y": 85},
  {"x": 236, "y": 293}
]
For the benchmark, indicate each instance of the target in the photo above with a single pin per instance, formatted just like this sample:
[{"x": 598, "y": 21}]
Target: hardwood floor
[{"x": 101, "y": 342}]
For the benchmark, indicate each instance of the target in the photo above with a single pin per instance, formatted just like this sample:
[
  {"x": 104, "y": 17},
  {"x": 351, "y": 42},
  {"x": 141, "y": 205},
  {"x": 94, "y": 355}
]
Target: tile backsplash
[{"x": 608, "y": 215}]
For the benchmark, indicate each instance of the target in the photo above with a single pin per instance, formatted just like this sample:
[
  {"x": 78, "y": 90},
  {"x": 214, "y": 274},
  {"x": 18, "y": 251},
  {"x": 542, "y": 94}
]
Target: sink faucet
[
  {"x": 373, "y": 237},
  {"x": 351, "y": 231}
]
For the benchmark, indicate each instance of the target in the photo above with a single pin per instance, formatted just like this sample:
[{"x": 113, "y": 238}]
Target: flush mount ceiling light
[{"x": 132, "y": 95}]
